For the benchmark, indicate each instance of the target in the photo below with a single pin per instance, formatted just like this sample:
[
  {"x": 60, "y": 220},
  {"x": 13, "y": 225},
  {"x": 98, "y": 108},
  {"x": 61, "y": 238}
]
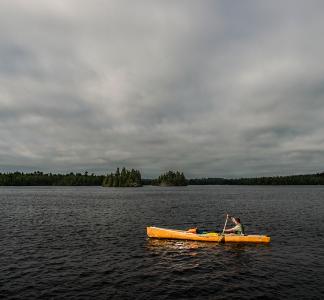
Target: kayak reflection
[
  {"x": 193, "y": 257},
  {"x": 177, "y": 244},
  {"x": 180, "y": 245}
]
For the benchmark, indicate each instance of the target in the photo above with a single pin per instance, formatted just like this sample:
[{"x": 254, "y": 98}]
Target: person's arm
[{"x": 232, "y": 229}]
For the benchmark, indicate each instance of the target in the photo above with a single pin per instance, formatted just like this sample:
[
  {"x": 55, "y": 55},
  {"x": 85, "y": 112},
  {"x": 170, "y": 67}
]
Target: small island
[
  {"x": 125, "y": 178},
  {"x": 171, "y": 178}
]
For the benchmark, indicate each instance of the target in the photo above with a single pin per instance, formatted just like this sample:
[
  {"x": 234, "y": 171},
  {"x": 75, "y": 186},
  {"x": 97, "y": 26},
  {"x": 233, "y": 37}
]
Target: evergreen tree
[
  {"x": 125, "y": 178},
  {"x": 171, "y": 178}
]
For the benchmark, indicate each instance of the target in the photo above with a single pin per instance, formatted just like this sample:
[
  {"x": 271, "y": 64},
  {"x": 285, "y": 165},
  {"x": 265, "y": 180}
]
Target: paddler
[{"x": 238, "y": 228}]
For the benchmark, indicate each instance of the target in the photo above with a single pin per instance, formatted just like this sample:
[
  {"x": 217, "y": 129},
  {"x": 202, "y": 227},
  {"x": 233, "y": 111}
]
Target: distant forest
[
  {"x": 133, "y": 178},
  {"x": 125, "y": 178},
  {"x": 171, "y": 178},
  {"x": 40, "y": 178},
  {"x": 312, "y": 179}
]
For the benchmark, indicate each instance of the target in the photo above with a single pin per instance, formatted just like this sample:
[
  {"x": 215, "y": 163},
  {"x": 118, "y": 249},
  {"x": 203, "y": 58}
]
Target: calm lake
[{"x": 90, "y": 242}]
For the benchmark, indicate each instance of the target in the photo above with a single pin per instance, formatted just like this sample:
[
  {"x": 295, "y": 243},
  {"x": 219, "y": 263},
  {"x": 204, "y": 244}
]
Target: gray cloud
[{"x": 211, "y": 88}]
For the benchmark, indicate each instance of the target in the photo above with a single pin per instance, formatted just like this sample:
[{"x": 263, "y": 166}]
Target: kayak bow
[{"x": 163, "y": 233}]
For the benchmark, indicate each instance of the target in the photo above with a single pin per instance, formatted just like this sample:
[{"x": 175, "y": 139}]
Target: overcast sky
[{"x": 212, "y": 88}]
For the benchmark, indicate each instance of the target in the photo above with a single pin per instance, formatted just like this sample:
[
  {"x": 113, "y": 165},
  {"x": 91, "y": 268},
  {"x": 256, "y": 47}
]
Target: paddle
[{"x": 223, "y": 230}]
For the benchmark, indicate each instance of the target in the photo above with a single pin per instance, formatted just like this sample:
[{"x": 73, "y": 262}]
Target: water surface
[{"x": 90, "y": 242}]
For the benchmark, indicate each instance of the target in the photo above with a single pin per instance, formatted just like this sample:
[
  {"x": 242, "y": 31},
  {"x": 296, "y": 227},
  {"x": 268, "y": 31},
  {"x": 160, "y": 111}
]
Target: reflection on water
[
  {"x": 155, "y": 244},
  {"x": 177, "y": 256},
  {"x": 180, "y": 245},
  {"x": 195, "y": 258}
]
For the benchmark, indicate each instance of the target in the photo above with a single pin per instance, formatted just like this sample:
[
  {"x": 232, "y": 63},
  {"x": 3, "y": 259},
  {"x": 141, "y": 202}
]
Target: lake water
[{"x": 90, "y": 242}]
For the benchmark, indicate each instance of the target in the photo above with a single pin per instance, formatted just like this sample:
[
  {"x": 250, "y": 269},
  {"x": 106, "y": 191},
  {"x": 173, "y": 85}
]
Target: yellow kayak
[{"x": 163, "y": 233}]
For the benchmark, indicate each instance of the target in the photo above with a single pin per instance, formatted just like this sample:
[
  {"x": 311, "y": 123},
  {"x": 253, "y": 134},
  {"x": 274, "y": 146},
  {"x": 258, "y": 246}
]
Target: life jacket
[{"x": 239, "y": 230}]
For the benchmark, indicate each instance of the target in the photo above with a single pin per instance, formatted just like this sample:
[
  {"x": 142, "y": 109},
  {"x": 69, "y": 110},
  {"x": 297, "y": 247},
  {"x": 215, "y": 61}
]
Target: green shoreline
[{"x": 78, "y": 179}]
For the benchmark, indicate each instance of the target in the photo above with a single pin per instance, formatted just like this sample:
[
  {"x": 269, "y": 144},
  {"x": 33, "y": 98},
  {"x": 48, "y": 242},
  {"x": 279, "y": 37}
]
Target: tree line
[
  {"x": 40, "y": 178},
  {"x": 133, "y": 178},
  {"x": 312, "y": 179}
]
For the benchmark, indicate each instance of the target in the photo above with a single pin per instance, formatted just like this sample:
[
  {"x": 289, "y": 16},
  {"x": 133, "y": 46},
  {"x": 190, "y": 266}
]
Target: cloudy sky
[{"x": 212, "y": 88}]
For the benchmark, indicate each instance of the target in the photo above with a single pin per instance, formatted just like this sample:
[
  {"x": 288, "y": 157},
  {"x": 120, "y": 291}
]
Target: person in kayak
[{"x": 238, "y": 228}]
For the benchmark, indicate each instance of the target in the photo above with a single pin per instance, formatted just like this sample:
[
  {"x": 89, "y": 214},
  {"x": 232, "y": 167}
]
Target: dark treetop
[
  {"x": 125, "y": 178},
  {"x": 171, "y": 178}
]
